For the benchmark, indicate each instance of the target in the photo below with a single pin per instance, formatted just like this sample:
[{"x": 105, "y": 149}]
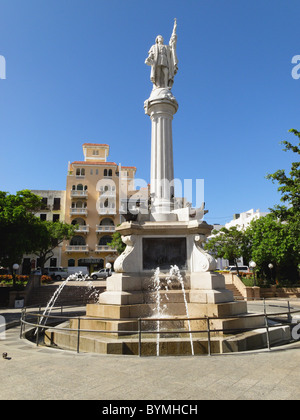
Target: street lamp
[
  {"x": 252, "y": 264},
  {"x": 108, "y": 267},
  {"x": 270, "y": 267},
  {"x": 15, "y": 268}
]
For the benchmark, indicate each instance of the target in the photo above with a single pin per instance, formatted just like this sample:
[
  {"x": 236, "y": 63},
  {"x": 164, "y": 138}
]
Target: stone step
[
  {"x": 236, "y": 293},
  {"x": 90, "y": 343}
]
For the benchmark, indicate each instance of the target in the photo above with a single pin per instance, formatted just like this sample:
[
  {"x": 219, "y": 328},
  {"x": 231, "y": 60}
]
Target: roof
[
  {"x": 95, "y": 144},
  {"x": 97, "y": 162},
  {"x": 92, "y": 162}
]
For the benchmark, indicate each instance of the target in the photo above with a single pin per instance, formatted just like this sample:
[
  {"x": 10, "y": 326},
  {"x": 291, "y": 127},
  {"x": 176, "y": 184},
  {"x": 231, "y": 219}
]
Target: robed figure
[{"x": 163, "y": 61}]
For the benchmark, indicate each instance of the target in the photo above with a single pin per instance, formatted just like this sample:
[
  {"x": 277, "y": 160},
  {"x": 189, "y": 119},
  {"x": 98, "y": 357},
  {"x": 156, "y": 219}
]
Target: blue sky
[{"x": 75, "y": 73}]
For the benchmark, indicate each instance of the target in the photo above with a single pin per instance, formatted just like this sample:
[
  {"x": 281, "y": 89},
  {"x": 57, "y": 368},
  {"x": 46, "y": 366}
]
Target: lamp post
[
  {"x": 15, "y": 268},
  {"x": 252, "y": 264},
  {"x": 270, "y": 267},
  {"x": 108, "y": 267}
]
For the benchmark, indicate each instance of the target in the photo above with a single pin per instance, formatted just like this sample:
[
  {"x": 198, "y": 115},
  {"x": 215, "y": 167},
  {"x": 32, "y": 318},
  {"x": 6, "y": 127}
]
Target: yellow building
[{"x": 95, "y": 192}]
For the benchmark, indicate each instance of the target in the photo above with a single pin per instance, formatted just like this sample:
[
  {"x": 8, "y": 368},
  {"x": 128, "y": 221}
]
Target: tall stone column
[{"x": 161, "y": 106}]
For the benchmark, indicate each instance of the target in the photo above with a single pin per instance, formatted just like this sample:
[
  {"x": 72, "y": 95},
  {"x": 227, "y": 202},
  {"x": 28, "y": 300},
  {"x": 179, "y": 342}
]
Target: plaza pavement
[{"x": 37, "y": 373}]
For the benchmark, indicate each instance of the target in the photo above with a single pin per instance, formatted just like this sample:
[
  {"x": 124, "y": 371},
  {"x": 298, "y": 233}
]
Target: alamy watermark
[
  {"x": 296, "y": 69},
  {"x": 179, "y": 195},
  {"x": 2, "y": 67},
  {"x": 2, "y": 327},
  {"x": 296, "y": 332}
]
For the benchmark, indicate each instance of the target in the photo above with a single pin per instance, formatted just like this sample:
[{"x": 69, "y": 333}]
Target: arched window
[
  {"x": 105, "y": 240},
  {"x": 105, "y": 172},
  {"x": 79, "y": 221},
  {"x": 79, "y": 187},
  {"x": 110, "y": 172},
  {"x": 80, "y": 172},
  {"x": 77, "y": 240},
  {"x": 107, "y": 222}
]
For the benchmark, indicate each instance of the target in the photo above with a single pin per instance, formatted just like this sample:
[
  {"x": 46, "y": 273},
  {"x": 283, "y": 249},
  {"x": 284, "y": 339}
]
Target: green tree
[
  {"x": 51, "y": 235},
  {"x": 117, "y": 243},
  {"x": 227, "y": 243},
  {"x": 289, "y": 185},
  {"x": 289, "y": 212},
  {"x": 19, "y": 228},
  {"x": 269, "y": 240}
]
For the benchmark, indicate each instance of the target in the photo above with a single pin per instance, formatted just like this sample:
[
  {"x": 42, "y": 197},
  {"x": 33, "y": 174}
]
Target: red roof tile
[
  {"x": 95, "y": 144},
  {"x": 93, "y": 163}
]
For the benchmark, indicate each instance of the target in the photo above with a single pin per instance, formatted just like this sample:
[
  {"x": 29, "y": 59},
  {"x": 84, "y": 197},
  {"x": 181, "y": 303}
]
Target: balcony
[
  {"x": 77, "y": 248},
  {"x": 105, "y": 228},
  {"x": 104, "y": 248},
  {"x": 78, "y": 211},
  {"x": 107, "y": 193},
  {"x": 79, "y": 193},
  {"x": 83, "y": 229},
  {"x": 107, "y": 210}
]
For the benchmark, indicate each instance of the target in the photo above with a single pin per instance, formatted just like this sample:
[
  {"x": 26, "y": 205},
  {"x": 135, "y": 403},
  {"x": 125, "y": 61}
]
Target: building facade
[
  {"x": 53, "y": 209},
  {"x": 241, "y": 221},
  {"x": 95, "y": 192}
]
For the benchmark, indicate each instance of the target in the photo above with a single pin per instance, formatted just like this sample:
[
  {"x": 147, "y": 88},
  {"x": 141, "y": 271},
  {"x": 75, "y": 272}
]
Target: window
[
  {"x": 95, "y": 152},
  {"x": 71, "y": 262},
  {"x": 91, "y": 172},
  {"x": 77, "y": 240},
  {"x": 43, "y": 217},
  {"x": 105, "y": 240},
  {"x": 55, "y": 218},
  {"x": 44, "y": 203},
  {"x": 78, "y": 205},
  {"x": 53, "y": 262},
  {"x": 56, "y": 204},
  {"x": 110, "y": 172},
  {"x": 105, "y": 172},
  {"x": 80, "y": 172},
  {"x": 107, "y": 222},
  {"x": 97, "y": 171}
]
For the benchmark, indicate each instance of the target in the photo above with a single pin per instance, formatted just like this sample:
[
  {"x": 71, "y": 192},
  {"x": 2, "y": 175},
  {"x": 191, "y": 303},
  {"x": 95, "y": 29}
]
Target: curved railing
[{"x": 32, "y": 318}]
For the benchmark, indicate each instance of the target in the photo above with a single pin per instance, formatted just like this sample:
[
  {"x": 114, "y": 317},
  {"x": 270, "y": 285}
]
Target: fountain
[
  {"x": 72, "y": 277},
  {"x": 163, "y": 237}
]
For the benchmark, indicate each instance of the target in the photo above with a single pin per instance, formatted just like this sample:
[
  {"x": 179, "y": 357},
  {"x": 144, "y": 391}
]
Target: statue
[{"x": 163, "y": 61}]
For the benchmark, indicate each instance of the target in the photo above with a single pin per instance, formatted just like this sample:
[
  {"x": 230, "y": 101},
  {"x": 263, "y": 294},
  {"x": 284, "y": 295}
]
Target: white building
[
  {"x": 53, "y": 209},
  {"x": 241, "y": 221}
]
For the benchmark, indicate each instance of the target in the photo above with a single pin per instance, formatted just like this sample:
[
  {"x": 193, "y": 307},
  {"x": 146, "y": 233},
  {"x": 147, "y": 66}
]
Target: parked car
[
  {"x": 101, "y": 274},
  {"x": 58, "y": 273},
  {"x": 81, "y": 271},
  {"x": 242, "y": 269}
]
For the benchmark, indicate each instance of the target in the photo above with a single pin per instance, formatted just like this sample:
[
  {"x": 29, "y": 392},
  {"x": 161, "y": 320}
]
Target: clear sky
[{"x": 75, "y": 73}]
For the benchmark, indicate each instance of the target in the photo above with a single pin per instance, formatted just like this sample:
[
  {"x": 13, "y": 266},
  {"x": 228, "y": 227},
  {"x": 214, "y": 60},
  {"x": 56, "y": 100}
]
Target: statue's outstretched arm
[{"x": 173, "y": 38}]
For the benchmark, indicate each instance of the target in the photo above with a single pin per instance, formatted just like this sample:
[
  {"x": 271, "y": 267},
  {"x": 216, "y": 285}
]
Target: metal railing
[{"x": 28, "y": 315}]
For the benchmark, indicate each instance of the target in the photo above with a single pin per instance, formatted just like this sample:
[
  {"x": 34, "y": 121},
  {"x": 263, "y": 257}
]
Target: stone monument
[{"x": 166, "y": 236}]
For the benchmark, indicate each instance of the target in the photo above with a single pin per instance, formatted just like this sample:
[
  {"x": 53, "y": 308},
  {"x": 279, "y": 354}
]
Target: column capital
[{"x": 161, "y": 100}]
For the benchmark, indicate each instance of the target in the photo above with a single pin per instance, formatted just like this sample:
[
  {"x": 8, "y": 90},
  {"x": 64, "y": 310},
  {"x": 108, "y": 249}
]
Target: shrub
[{"x": 46, "y": 279}]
